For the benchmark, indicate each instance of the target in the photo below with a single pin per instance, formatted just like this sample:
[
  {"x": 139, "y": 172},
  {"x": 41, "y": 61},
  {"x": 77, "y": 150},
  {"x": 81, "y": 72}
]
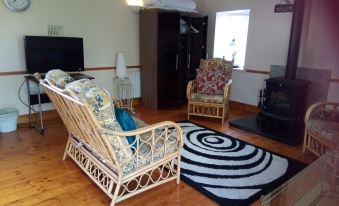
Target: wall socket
[{"x": 55, "y": 30}]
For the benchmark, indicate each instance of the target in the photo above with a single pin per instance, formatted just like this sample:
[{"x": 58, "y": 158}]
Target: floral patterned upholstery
[
  {"x": 58, "y": 78},
  {"x": 328, "y": 130},
  {"x": 208, "y": 98},
  {"x": 103, "y": 109},
  {"x": 211, "y": 80},
  {"x": 216, "y": 62},
  {"x": 321, "y": 128}
]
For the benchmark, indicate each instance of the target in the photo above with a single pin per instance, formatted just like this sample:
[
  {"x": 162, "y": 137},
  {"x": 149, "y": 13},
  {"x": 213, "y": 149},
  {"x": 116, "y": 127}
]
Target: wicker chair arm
[
  {"x": 227, "y": 90},
  {"x": 191, "y": 88},
  {"x": 318, "y": 110},
  {"x": 150, "y": 128},
  {"x": 162, "y": 139}
]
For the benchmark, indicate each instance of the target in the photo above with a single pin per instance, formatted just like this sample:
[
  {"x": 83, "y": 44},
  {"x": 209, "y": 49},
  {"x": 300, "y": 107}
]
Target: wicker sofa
[
  {"x": 321, "y": 128},
  {"x": 97, "y": 144}
]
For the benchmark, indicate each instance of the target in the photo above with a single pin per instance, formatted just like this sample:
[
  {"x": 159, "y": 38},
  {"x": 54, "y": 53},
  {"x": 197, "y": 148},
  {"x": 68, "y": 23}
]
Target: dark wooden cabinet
[{"x": 171, "y": 46}]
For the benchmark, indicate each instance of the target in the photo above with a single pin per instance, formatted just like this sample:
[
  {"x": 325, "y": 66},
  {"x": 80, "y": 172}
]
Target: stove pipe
[{"x": 295, "y": 36}]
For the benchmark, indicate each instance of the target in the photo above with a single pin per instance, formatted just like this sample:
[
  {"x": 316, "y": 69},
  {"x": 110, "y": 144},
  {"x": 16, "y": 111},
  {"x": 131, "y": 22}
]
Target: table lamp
[{"x": 121, "y": 70}]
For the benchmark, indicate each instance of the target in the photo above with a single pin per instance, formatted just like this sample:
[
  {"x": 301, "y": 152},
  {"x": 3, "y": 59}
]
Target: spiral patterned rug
[{"x": 228, "y": 170}]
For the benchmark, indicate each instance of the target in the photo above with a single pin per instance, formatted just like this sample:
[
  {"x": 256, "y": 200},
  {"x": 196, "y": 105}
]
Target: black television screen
[{"x": 44, "y": 53}]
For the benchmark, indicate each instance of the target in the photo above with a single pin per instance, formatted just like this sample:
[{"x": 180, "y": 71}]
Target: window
[{"x": 230, "y": 39}]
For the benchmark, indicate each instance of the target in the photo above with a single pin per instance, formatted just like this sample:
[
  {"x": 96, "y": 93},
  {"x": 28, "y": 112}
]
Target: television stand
[{"x": 39, "y": 99}]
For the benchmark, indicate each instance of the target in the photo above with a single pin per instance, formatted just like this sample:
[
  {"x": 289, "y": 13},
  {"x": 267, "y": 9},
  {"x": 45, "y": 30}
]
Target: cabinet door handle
[
  {"x": 189, "y": 61},
  {"x": 176, "y": 62}
]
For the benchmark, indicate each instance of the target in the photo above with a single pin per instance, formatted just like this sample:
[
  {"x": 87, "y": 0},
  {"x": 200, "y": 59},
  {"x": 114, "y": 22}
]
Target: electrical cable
[{"x": 30, "y": 107}]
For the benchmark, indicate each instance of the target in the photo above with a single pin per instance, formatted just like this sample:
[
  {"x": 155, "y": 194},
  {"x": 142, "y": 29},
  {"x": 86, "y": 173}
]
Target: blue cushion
[{"x": 127, "y": 124}]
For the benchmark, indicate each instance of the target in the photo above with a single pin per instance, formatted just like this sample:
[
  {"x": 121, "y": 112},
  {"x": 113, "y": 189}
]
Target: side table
[
  {"x": 124, "y": 93},
  {"x": 39, "y": 99}
]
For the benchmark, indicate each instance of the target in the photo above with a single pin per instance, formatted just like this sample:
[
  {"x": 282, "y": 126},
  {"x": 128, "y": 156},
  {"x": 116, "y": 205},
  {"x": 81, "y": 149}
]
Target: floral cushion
[
  {"x": 211, "y": 80},
  {"x": 103, "y": 109},
  {"x": 208, "y": 98},
  {"x": 216, "y": 62},
  {"x": 58, "y": 78},
  {"x": 326, "y": 129}
]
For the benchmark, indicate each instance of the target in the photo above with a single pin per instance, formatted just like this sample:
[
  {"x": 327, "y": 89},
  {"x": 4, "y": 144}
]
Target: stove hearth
[{"x": 282, "y": 112}]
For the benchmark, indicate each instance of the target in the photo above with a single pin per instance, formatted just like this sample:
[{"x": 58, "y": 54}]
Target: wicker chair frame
[
  {"x": 89, "y": 147},
  {"x": 206, "y": 109},
  {"x": 313, "y": 142}
]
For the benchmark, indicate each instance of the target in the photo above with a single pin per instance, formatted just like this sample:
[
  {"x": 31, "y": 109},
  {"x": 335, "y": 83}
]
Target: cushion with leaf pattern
[
  {"x": 103, "y": 109},
  {"x": 58, "y": 78}
]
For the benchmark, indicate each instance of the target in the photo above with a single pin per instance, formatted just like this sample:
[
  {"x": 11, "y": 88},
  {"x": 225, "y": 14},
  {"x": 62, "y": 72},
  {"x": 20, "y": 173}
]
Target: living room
[{"x": 33, "y": 172}]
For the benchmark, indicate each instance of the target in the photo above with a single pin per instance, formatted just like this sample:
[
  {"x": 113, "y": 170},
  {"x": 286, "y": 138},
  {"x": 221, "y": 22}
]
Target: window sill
[{"x": 252, "y": 71}]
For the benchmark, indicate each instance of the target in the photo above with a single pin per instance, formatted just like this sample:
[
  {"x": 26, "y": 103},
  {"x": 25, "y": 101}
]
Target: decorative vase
[{"x": 121, "y": 70}]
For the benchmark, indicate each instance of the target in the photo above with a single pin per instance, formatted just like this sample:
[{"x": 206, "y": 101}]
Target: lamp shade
[{"x": 121, "y": 70}]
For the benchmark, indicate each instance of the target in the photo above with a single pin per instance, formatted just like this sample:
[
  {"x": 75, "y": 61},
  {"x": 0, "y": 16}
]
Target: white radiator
[{"x": 134, "y": 78}]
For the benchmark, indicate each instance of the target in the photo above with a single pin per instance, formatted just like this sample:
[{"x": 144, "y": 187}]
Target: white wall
[
  {"x": 245, "y": 87},
  {"x": 320, "y": 48},
  {"x": 107, "y": 26},
  {"x": 268, "y": 32},
  {"x": 267, "y": 42},
  {"x": 268, "y": 39}
]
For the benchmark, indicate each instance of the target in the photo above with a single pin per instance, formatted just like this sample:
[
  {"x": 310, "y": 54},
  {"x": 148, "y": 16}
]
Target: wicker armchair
[
  {"x": 210, "y": 105},
  {"x": 120, "y": 170},
  {"x": 321, "y": 128}
]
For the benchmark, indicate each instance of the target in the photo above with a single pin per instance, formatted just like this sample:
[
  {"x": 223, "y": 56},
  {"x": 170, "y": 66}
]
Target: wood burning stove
[{"x": 285, "y": 99}]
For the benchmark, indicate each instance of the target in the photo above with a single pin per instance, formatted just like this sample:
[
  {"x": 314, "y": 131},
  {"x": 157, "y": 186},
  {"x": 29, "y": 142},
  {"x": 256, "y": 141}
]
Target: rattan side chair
[{"x": 210, "y": 105}]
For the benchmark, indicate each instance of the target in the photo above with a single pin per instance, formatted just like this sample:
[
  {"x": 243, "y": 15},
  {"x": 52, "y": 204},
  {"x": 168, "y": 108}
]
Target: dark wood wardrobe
[{"x": 171, "y": 46}]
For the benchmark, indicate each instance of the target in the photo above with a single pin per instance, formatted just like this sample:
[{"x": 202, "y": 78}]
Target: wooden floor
[{"x": 33, "y": 173}]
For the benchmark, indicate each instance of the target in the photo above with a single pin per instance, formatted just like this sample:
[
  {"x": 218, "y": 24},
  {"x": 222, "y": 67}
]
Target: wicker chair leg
[
  {"x": 178, "y": 170},
  {"x": 115, "y": 194},
  {"x": 305, "y": 142},
  {"x": 64, "y": 156},
  {"x": 223, "y": 114}
]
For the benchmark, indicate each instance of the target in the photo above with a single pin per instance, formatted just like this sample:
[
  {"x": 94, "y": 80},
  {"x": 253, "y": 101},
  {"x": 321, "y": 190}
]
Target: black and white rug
[{"x": 228, "y": 170}]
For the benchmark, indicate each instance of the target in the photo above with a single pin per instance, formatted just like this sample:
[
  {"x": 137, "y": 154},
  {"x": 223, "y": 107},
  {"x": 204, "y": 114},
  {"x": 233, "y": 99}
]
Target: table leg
[
  {"x": 40, "y": 110},
  {"x": 29, "y": 105}
]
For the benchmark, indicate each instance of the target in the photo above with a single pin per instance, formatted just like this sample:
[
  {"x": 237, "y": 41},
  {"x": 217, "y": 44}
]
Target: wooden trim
[
  {"x": 257, "y": 71},
  {"x": 86, "y": 69},
  {"x": 99, "y": 68},
  {"x": 52, "y": 114},
  {"x": 12, "y": 73},
  {"x": 109, "y": 68},
  {"x": 334, "y": 80},
  {"x": 244, "y": 107}
]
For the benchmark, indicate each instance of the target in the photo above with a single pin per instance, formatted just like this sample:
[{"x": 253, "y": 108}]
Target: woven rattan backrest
[{"x": 80, "y": 122}]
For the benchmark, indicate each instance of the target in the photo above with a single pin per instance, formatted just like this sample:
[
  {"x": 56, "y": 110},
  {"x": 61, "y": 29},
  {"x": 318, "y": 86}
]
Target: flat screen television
[{"x": 44, "y": 53}]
